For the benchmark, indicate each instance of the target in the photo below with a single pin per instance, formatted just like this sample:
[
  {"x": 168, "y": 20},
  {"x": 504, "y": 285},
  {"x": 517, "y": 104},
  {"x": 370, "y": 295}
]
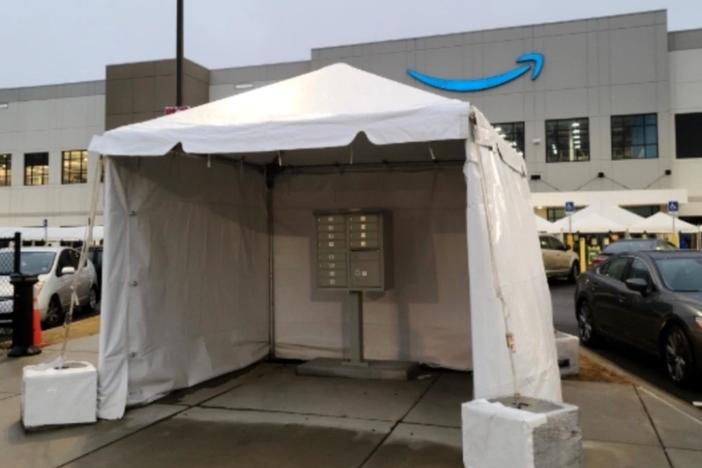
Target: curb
[{"x": 679, "y": 404}]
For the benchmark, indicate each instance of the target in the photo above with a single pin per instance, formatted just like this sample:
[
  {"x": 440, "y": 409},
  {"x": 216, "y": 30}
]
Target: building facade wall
[
  {"x": 594, "y": 68},
  {"x": 48, "y": 119},
  {"x": 686, "y": 96}
]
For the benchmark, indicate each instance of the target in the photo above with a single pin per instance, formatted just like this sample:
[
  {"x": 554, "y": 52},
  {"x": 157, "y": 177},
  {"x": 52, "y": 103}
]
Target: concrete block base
[
  {"x": 568, "y": 350},
  {"x": 62, "y": 395},
  {"x": 524, "y": 432},
  {"x": 376, "y": 370}
]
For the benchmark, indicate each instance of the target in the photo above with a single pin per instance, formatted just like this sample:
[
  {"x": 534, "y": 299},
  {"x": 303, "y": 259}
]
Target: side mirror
[
  {"x": 637, "y": 284},
  {"x": 67, "y": 270}
]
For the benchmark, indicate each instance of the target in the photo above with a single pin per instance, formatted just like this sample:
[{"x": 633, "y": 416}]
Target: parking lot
[{"x": 641, "y": 365}]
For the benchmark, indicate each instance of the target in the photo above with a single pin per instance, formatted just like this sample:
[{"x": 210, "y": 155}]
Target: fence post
[{"x": 22, "y": 308}]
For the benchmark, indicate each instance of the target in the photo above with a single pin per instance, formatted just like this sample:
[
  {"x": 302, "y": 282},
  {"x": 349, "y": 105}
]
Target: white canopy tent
[
  {"x": 207, "y": 263},
  {"x": 607, "y": 218},
  {"x": 543, "y": 225},
  {"x": 593, "y": 223},
  {"x": 663, "y": 223}
]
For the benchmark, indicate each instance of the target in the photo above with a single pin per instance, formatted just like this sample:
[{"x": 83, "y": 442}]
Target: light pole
[{"x": 179, "y": 53}]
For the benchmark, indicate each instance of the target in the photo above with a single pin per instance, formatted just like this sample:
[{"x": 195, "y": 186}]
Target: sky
[{"x": 58, "y": 41}]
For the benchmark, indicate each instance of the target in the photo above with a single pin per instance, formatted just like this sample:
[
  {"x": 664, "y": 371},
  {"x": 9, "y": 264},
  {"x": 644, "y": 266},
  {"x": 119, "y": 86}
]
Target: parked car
[
  {"x": 651, "y": 300},
  {"x": 95, "y": 256},
  {"x": 55, "y": 268},
  {"x": 631, "y": 245},
  {"x": 559, "y": 260}
]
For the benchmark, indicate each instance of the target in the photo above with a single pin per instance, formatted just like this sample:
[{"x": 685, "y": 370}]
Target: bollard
[{"x": 22, "y": 316}]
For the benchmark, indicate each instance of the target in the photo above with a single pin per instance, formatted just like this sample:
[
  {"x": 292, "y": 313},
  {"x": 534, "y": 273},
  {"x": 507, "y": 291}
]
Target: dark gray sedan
[{"x": 651, "y": 300}]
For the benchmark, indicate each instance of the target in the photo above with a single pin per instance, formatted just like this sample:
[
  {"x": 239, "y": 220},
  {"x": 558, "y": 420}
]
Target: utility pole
[{"x": 179, "y": 53}]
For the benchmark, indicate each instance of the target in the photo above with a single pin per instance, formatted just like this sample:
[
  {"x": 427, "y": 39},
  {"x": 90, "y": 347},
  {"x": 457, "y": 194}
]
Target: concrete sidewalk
[{"x": 269, "y": 416}]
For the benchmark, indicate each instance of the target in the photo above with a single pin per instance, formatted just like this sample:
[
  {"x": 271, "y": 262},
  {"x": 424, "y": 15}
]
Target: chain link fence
[{"x": 9, "y": 264}]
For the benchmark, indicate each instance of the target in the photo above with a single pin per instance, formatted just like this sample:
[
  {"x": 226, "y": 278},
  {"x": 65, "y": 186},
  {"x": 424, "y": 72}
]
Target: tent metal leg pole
[{"x": 271, "y": 276}]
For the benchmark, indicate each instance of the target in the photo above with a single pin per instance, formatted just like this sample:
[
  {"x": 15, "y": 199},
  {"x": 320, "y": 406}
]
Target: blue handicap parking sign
[
  {"x": 673, "y": 206},
  {"x": 569, "y": 207}
]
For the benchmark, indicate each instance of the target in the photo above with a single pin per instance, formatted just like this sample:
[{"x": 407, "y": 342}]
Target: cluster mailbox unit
[
  {"x": 354, "y": 251},
  {"x": 354, "y": 256}
]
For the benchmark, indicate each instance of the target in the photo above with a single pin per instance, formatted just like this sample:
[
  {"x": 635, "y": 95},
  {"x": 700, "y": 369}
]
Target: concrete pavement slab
[
  {"x": 283, "y": 390},
  {"x": 86, "y": 344},
  {"x": 245, "y": 439},
  {"x": 610, "y": 412},
  {"x": 676, "y": 427},
  {"x": 215, "y": 387},
  {"x": 11, "y": 369},
  {"x": 53, "y": 447},
  {"x": 609, "y": 454},
  {"x": 441, "y": 405},
  {"x": 419, "y": 446},
  {"x": 685, "y": 458}
]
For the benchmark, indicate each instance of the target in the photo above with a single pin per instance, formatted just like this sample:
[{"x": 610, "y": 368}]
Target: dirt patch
[
  {"x": 83, "y": 327},
  {"x": 590, "y": 371}
]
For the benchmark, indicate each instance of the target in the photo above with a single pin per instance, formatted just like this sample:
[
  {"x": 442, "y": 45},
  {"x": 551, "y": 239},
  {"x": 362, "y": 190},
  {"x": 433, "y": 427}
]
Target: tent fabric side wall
[
  {"x": 425, "y": 316},
  {"x": 186, "y": 266},
  {"x": 510, "y": 301}
]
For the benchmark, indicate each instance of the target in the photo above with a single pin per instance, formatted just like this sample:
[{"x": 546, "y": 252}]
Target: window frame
[
  {"x": 508, "y": 128},
  {"x": 564, "y": 125},
  {"x": 693, "y": 137},
  {"x": 29, "y": 174},
  {"x": 82, "y": 155},
  {"x": 6, "y": 173},
  {"x": 630, "y": 130}
]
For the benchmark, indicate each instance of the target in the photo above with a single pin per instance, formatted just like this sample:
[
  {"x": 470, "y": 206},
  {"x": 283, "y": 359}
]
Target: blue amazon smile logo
[{"x": 533, "y": 60}]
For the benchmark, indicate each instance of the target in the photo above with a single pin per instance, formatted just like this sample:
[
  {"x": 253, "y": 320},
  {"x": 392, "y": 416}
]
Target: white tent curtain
[
  {"x": 186, "y": 258},
  {"x": 510, "y": 299}
]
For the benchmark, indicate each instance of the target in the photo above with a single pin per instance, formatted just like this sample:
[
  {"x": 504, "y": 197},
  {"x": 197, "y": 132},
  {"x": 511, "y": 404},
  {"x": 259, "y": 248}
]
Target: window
[
  {"x": 74, "y": 167},
  {"x": 639, "y": 270},
  {"x": 615, "y": 268},
  {"x": 687, "y": 130},
  {"x": 554, "y": 214},
  {"x": 512, "y": 132},
  {"x": 635, "y": 136},
  {"x": 36, "y": 168},
  {"x": 5, "y": 170},
  {"x": 645, "y": 210},
  {"x": 567, "y": 140}
]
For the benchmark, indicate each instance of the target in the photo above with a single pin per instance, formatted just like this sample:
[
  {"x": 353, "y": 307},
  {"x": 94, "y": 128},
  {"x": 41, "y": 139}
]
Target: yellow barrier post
[{"x": 582, "y": 255}]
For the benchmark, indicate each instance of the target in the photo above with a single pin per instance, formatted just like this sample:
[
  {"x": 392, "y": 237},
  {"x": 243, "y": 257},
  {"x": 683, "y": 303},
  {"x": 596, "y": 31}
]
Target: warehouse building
[{"x": 602, "y": 109}]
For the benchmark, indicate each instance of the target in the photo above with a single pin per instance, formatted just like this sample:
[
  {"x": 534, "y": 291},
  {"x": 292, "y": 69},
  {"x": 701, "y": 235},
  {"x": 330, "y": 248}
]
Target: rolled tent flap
[{"x": 510, "y": 300}]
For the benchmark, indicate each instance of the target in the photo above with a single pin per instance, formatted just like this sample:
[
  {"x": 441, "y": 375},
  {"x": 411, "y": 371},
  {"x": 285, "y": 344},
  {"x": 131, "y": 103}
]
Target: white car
[
  {"x": 56, "y": 269},
  {"x": 559, "y": 260}
]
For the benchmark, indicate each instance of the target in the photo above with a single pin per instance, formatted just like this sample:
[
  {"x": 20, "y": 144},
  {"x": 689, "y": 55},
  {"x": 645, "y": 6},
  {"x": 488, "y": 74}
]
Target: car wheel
[
  {"x": 586, "y": 325},
  {"x": 54, "y": 314},
  {"x": 574, "y": 272},
  {"x": 93, "y": 300},
  {"x": 677, "y": 355}
]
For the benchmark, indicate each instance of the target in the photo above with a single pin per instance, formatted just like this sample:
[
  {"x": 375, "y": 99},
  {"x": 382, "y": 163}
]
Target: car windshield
[
  {"x": 630, "y": 246},
  {"x": 31, "y": 263},
  {"x": 681, "y": 274}
]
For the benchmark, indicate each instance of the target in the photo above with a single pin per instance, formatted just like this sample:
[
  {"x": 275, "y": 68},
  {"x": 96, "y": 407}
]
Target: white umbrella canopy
[
  {"x": 619, "y": 216},
  {"x": 662, "y": 223},
  {"x": 543, "y": 225},
  {"x": 593, "y": 223}
]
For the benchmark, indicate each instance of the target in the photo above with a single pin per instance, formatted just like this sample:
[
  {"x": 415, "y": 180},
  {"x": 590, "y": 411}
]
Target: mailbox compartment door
[{"x": 365, "y": 270}]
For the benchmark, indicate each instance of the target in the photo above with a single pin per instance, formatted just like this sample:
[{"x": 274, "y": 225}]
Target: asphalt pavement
[{"x": 643, "y": 366}]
